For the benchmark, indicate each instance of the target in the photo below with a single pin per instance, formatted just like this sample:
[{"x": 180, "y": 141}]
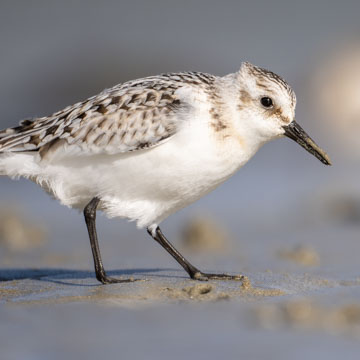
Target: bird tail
[{"x": 16, "y": 138}]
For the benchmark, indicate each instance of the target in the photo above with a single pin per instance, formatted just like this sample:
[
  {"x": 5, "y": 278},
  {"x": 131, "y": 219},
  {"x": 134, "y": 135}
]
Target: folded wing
[{"x": 132, "y": 116}]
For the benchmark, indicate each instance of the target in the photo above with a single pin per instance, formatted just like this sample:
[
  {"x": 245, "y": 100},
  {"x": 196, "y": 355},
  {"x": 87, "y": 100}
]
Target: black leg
[
  {"x": 90, "y": 219},
  {"x": 193, "y": 272}
]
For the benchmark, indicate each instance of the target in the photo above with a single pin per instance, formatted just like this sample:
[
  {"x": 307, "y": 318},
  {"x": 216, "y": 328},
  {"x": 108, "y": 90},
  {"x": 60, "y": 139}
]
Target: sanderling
[{"x": 149, "y": 147}]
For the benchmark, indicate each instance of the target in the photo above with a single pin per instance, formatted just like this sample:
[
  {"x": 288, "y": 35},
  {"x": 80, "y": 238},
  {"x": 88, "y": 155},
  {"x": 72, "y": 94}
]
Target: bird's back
[{"x": 135, "y": 115}]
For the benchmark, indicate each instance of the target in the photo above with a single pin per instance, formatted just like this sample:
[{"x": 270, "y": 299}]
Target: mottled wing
[{"x": 135, "y": 115}]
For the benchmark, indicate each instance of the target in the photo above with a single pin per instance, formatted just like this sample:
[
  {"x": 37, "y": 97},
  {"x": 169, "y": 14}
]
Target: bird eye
[{"x": 266, "y": 102}]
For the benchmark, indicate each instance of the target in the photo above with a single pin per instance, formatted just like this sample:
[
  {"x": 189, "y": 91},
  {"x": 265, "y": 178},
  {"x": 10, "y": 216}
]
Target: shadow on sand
[{"x": 57, "y": 275}]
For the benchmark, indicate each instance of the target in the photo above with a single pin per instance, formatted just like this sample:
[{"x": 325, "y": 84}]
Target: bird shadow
[{"x": 65, "y": 276}]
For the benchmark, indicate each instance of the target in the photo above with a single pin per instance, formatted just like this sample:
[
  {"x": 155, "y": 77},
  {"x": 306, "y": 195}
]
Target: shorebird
[{"x": 146, "y": 148}]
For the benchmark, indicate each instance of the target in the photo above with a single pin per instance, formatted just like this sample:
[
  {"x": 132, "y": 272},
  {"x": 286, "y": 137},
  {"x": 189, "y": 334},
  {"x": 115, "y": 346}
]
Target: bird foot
[
  {"x": 200, "y": 276},
  {"x": 104, "y": 279}
]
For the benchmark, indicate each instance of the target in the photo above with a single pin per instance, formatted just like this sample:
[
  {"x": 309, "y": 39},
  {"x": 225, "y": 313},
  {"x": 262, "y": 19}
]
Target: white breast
[{"x": 145, "y": 185}]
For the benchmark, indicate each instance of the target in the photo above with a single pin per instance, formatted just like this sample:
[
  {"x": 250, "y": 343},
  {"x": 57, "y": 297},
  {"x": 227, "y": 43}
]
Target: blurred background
[{"x": 283, "y": 211}]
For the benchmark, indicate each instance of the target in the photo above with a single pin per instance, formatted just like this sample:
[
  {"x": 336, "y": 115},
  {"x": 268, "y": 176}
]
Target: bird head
[{"x": 268, "y": 103}]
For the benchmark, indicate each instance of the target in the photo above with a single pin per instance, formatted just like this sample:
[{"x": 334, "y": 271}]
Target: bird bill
[{"x": 295, "y": 132}]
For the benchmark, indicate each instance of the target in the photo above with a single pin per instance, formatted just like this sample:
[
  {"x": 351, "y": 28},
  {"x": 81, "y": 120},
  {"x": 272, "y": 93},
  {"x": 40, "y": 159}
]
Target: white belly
[{"x": 146, "y": 185}]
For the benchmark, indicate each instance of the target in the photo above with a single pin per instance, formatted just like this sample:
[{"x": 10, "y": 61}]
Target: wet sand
[{"x": 299, "y": 299}]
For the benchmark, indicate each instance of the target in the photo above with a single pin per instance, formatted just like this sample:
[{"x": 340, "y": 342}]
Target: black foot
[
  {"x": 193, "y": 272},
  {"x": 200, "y": 276},
  {"x": 103, "y": 278}
]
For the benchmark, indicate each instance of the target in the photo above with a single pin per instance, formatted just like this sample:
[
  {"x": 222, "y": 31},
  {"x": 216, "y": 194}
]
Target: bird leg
[
  {"x": 90, "y": 219},
  {"x": 193, "y": 272}
]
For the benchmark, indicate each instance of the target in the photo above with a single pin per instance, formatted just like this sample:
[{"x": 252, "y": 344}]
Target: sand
[{"x": 299, "y": 297}]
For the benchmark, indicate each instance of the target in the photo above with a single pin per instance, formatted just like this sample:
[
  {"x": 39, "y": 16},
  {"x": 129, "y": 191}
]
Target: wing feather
[{"x": 131, "y": 116}]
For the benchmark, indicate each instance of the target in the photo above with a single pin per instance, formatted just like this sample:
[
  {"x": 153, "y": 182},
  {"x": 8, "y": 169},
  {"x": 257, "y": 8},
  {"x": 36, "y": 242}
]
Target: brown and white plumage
[
  {"x": 147, "y": 148},
  {"x": 135, "y": 115},
  {"x": 151, "y": 146}
]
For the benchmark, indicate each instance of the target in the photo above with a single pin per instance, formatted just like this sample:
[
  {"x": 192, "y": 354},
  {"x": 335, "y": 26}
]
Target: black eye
[{"x": 266, "y": 102}]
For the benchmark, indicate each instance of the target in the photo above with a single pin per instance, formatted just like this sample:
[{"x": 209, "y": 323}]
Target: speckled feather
[
  {"x": 263, "y": 74},
  {"x": 135, "y": 115}
]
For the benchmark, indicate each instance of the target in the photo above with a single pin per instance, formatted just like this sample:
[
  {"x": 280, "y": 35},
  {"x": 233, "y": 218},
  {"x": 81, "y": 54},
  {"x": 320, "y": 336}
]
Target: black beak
[{"x": 294, "y": 131}]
